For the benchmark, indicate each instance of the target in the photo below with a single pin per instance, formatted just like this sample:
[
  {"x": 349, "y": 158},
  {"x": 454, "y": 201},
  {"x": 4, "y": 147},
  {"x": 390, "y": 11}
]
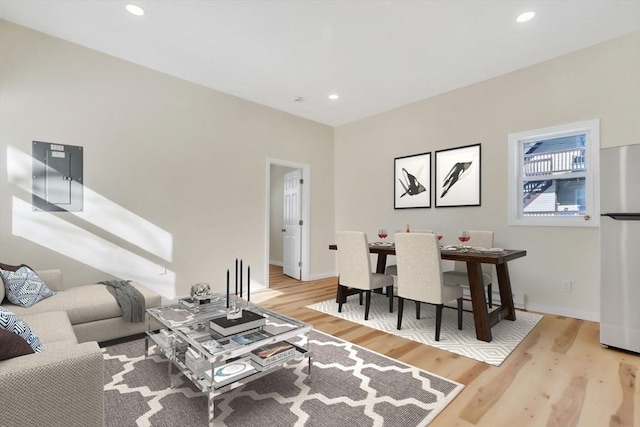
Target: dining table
[{"x": 484, "y": 319}]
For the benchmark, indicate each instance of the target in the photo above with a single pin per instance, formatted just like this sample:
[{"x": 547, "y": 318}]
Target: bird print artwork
[
  {"x": 410, "y": 184},
  {"x": 455, "y": 174}
]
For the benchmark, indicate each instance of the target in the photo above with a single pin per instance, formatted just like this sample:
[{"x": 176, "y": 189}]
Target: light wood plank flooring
[{"x": 558, "y": 376}]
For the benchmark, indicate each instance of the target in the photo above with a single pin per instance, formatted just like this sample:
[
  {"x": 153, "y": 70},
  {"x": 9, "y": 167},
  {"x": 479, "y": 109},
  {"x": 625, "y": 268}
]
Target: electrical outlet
[
  {"x": 566, "y": 285},
  {"x": 162, "y": 270}
]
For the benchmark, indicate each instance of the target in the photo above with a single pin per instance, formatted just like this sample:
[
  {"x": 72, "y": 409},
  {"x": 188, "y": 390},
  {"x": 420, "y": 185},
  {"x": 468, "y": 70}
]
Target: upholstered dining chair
[
  {"x": 420, "y": 276},
  {"x": 459, "y": 276},
  {"x": 393, "y": 268},
  {"x": 354, "y": 269}
]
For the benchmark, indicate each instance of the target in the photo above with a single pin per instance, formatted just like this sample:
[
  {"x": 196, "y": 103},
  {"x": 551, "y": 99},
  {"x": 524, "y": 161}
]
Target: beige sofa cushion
[
  {"x": 52, "y": 327},
  {"x": 85, "y": 303}
]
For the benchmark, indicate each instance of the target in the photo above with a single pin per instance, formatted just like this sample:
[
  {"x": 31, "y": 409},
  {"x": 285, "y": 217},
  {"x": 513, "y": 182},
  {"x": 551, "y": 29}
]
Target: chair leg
[
  {"x": 460, "y": 313},
  {"x": 390, "y": 295},
  {"x": 367, "y": 304},
  {"x": 360, "y": 296},
  {"x": 489, "y": 295},
  {"x": 400, "y": 308},
  {"x": 417, "y": 309},
  {"x": 438, "y": 320}
]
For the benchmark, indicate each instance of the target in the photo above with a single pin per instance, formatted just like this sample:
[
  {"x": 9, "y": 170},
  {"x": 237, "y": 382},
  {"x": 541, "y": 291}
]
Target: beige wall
[
  {"x": 174, "y": 172},
  {"x": 602, "y": 81}
]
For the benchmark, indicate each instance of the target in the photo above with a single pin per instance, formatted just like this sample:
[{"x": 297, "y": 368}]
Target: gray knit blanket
[{"x": 130, "y": 300}]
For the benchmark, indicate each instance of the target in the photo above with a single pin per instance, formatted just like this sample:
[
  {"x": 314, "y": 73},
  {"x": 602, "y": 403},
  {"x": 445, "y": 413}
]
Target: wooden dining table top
[{"x": 455, "y": 254}]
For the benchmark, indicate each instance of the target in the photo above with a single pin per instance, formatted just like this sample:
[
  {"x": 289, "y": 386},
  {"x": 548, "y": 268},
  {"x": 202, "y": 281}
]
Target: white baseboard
[
  {"x": 520, "y": 302},
  {"x": 278, "y": 263},
  {"x": 322, "y": 276},
  {"x": 566, "y": 312}
]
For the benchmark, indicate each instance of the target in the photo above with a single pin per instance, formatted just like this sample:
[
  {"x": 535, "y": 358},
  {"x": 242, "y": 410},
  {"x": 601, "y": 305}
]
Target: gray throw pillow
[
  {"x": 13, "y": 323},
  {"x": 23, "y": 286},
  {"x": 9, "y": 268}
]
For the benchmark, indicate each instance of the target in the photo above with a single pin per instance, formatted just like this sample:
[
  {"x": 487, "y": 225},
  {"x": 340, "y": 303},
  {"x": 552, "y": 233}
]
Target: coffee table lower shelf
[{"x": 207, "y": 385}]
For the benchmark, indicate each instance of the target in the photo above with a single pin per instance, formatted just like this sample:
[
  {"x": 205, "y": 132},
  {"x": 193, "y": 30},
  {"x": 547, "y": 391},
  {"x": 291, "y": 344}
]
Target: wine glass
[
  {"x": 464, "y": 237},
  {"x": 382, "y": 234},
  {"x": 439, "y": 234}
]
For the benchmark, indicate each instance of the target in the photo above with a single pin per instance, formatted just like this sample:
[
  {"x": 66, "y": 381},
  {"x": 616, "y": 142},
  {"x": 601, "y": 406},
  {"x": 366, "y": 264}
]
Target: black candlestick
[
  {"x": 236, "y": 276},
  {"x": 227, "y": 288},
  {"x": 248, "y": 283},
  {"x": 240, "y": 278}
]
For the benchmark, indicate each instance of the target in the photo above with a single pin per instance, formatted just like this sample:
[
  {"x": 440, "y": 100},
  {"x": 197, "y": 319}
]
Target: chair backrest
[
  {"x": 482, "y": 239},
  {"x": 419, "y": 267},
  {"x": 354, "y": 263}
]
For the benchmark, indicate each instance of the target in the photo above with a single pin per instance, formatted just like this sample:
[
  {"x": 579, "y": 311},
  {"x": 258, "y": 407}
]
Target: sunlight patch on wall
[
  {"x": 100, "y": 211},
  {"x": 67, "y": 239}
]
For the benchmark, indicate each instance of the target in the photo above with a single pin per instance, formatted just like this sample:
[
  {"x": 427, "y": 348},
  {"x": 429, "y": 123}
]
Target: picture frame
[
  {"x": 412, "y": 181},
  {"x": 457, "y": 176}
]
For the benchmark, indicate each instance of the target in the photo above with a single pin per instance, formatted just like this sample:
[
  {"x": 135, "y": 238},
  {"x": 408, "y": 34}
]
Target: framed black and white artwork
[
  {"x": 412, "y": 181},
  {"x": 457, "y": 176}
]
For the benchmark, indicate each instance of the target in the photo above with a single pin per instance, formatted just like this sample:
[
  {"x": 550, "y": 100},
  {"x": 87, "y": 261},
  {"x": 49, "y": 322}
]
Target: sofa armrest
[
  {"x": 52, "y": 278},
  {"x": 64, "y": 386}
]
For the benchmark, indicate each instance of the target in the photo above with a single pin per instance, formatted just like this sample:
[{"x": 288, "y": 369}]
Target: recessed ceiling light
[
  {"x": 525, "y": 16},
  {"x": 298, "y": 99},
  {"x": 135, "y": 10},
  {"x": 334, "y": 96}
]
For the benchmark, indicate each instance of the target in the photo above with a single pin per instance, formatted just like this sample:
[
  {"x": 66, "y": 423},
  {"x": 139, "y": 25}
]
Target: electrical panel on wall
[{"x": 57, "y": 177}]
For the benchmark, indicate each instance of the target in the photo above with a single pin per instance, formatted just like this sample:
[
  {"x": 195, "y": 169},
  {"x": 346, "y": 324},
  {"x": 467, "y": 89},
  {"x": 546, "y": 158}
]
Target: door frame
[{"x": 304, "y": 215}]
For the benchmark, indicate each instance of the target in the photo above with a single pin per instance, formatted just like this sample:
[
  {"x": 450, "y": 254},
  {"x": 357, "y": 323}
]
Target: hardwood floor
[{"x": 558, "y": 376}]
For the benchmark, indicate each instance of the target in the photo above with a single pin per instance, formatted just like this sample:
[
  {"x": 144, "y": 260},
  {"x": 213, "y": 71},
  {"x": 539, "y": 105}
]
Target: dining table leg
[
  {"x": 382, "y": 263},
  {"x": 506, "y": 295},
  {"x": 479, "y": 302}
]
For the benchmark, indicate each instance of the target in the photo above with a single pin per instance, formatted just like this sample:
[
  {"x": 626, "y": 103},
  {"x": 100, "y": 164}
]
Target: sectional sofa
[{"x": 64, "y": 384}]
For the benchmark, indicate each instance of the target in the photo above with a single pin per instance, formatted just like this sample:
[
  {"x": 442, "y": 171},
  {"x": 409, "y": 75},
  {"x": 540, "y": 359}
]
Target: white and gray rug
[
  {"x": 350, "y": 386},
  {"x": 506, "y": 334}
]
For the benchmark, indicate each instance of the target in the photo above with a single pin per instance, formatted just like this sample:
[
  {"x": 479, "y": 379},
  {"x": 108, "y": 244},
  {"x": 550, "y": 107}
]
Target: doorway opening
[{"x": 276, "y": 169}]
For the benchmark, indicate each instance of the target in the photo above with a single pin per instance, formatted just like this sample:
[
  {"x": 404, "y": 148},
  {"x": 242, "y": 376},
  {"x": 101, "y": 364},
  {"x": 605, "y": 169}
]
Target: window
[{"x": 552, "y": 176}]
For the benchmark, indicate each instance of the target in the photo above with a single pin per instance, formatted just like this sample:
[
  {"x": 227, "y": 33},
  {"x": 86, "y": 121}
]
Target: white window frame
[{"x": 592, "y": 187}]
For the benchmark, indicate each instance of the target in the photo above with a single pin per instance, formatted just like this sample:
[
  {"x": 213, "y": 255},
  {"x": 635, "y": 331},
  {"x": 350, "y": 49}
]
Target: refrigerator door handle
[{"x": 623, "y": 216}]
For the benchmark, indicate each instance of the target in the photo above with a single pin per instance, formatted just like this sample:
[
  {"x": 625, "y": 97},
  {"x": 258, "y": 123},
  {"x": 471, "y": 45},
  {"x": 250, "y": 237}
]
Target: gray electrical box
[{"x": 57, "y": 177}]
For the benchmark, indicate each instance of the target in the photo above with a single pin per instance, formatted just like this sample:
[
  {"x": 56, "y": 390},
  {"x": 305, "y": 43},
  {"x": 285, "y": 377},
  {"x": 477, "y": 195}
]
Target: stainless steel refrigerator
[{"x": 620, "y": 247}]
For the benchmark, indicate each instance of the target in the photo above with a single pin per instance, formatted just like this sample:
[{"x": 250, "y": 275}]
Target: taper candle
[
  {"x": 227, "y": 288},
  {"x": 236, "y": 276},
  {"x": 241, "y": 278},
  {"x": 248, "y": 283}
]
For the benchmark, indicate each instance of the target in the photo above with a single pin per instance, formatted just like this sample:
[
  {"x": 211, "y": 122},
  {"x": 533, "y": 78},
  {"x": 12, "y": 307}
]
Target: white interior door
[{"x": 292, "y": 230}]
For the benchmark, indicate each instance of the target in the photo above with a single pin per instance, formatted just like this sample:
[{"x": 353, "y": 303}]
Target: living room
[{"x": 174, "y": 172}]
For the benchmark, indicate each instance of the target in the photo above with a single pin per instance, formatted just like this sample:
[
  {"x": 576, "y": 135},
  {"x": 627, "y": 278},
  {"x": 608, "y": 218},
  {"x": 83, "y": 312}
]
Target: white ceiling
[{"x": 377, "y": 55}]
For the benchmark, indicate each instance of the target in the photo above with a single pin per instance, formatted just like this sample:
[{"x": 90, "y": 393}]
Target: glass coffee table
[{"x": 217, "y": 354}]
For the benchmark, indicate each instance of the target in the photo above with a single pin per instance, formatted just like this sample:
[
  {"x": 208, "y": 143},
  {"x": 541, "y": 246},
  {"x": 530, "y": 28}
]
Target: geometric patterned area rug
[
  {"x": 506, "y": 334},
  {"x": 350, "y": 386}
]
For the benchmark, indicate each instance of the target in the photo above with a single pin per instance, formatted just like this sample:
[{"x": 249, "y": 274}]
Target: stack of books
[
  {"x": 180, "y": 345},
  {"x": 270, "y": 354},
  {"x": 163, "y": 338},
  {"x": 226, "y": 327},
  {"x": 195, "y": 362},
  {"x": 229, "y": 373},
  {"x": 251, "y": 337}
]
